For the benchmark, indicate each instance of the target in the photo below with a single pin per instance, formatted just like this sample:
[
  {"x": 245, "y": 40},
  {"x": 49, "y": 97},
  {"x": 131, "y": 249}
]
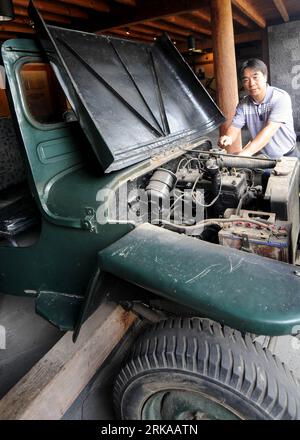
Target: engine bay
[{"x": 247, "y": 203}]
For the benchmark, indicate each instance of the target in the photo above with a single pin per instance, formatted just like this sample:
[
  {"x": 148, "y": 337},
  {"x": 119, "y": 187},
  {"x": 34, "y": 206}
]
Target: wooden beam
[
  {"x": 247, "y": 37},
  {"x": 243, "y": 20},
  {"x": 19, "y": 28},
  {"x": 155, "y": 32},
  {"x": 168, "y": 27},
  {"x": 52, "y": 385},
  {"x": 127, "y": 2},
  {"x": 188, "y": 24},
  {"x": 203, "y": 15},
  {"x": 131, "y": 34},
  {"x": 6, "y": 36},
  {"x": 55, "y": 8},
  {"x": 146, "y": 11},
  {"x": 206, "y": 43},
  {"x": 127, "y": 37},
  {"x": 22, "y": 12},
  {"x": 47, "y": 17},
  {"x": 95, "y": 5},
  {"x": 282, "y": 10},
  {"x": 250, "y": 11}
]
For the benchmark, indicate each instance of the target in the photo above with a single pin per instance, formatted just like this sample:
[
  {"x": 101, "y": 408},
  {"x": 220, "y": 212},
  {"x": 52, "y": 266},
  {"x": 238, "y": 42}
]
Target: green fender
[{"x": 245, "y": 291}]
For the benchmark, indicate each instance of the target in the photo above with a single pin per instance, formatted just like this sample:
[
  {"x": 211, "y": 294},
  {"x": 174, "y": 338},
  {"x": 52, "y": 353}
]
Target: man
[{"x": 266, "y": 111}]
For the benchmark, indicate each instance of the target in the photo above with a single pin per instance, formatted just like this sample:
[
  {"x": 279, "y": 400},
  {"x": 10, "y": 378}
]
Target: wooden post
[
  {"x": 224, "y": 60},
  {"x": 265, "y": 47}
]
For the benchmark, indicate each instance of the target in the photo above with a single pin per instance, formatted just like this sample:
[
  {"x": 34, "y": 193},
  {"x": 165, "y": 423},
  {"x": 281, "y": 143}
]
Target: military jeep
[{"x": 111, "y": 191}]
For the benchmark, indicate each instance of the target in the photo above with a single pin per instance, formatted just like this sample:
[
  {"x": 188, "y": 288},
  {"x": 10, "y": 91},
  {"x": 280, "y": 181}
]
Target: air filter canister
[{"x": 161, "y": 184}]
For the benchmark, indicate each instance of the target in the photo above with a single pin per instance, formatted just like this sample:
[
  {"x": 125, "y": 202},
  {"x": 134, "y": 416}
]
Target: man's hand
[{"x": 225, "y": 141}]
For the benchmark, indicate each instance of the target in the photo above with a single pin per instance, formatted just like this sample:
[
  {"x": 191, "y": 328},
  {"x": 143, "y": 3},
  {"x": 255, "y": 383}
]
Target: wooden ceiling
[{"x": 145, "y": 20}]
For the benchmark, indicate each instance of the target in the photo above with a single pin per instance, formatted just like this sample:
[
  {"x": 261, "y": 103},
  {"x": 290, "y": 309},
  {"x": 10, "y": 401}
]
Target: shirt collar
[{"x": 266, "y": 98}]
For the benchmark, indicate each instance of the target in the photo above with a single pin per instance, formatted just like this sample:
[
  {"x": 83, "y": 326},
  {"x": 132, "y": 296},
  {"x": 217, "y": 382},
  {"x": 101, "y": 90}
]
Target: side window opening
[
  {"x": 20, "y": 219},
  {"x": 43, "y": 95}
]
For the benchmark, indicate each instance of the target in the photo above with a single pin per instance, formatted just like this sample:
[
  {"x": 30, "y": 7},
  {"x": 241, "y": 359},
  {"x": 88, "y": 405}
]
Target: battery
[{"x": 272, "y": 241}]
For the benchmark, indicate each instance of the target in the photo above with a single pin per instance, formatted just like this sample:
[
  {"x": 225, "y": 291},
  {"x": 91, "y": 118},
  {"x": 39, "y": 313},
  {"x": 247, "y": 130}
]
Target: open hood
[{"x": 132, "y": 99}]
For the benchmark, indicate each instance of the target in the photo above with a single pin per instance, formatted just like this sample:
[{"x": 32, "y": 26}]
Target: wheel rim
[{"x": 186, "y": 405}]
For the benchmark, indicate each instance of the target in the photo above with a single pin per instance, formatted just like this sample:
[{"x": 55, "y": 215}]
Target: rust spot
[{"x": 127, "y": 318}]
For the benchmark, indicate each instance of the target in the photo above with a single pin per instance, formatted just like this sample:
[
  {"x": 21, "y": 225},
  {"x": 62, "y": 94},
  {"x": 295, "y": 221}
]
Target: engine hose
[{"x": 245, "y": 162}]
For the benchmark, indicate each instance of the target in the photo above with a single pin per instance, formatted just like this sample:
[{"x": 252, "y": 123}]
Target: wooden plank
[
  {"x": 52, "y": 385},
  {"x": 248, "y": 9},
  {"x": 282, "y": 10}
]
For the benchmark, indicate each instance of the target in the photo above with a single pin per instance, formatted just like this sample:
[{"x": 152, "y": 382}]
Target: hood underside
[{"x": 132, "y": 99}]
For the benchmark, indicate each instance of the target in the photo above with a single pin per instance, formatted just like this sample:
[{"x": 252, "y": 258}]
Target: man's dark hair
[{"x": 254, "y": 63}]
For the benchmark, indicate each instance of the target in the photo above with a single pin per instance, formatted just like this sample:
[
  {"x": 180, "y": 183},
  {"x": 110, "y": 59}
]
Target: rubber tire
[{"x": 199, "y": 354}]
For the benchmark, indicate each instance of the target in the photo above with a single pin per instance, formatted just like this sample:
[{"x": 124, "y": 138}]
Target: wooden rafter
[
  {"x": 55, "y": 8},
  {"x": 131, "y": 34},
  {"x": 203, "y": 15},
  {"x": 248, "y": 9},
  {"x": 168, "y": 27},
  {"x": 243, "y": 20},
  {"x": 239, "y": 38},
  {"x": 19, "y": 28},
  {"x": 147, "y": 11},
  {"x": 6, "y": 35},
  {"x": 155, "y": 32},
  {"x": 22, "y": 12},
  {"x": 127, "y": 2},
  {"x": 48, "y": 17},
  {"x": 186, "y": 23},
  {"x": 96, "y": 5},
  {"x": 282, "y": 9}
]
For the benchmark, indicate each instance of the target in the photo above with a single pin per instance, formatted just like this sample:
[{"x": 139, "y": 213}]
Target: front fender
[{"x": 245, "y": 291}]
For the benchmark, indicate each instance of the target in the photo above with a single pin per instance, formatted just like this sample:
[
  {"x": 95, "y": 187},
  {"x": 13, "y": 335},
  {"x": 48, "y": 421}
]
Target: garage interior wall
[{"x": 284, "y": 49}]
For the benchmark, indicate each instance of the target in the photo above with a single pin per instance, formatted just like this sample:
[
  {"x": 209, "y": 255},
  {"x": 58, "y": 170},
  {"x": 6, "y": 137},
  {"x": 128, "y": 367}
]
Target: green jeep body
[{"x": 69, "y": 164}]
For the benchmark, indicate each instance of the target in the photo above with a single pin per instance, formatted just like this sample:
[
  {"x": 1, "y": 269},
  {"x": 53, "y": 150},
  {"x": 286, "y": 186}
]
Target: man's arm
[
  {"x": 229, "y": 138},
  {"x": 261, "y": 140}
]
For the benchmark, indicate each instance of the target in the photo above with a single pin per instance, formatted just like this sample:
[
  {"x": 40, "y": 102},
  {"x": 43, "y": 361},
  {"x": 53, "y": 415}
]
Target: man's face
[{"x": 255, "y": 83}]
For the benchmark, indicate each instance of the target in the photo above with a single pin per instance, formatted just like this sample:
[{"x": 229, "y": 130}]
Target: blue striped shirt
[{"x": 276, "y": 107}]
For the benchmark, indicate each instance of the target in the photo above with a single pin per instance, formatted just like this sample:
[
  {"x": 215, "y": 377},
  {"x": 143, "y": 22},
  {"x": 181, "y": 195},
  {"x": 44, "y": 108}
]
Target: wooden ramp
[{"x": 52, "y": 385}]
